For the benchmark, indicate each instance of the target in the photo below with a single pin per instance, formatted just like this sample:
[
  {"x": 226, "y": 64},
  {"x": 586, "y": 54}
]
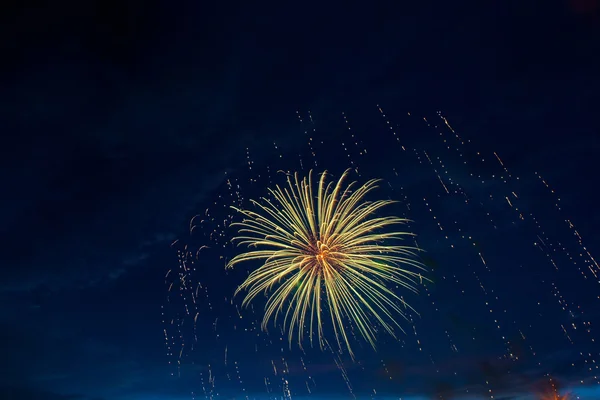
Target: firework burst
[{"x": 327, "y": 253}]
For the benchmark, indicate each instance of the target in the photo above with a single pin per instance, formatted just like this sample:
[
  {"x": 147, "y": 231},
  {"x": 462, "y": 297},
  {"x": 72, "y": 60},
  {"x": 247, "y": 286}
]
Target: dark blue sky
[{"x": 119, "y": 120}]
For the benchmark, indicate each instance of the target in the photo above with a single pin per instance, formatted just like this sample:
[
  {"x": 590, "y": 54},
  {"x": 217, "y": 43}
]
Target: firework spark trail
[
  {"x": 505, "y": 177},
  {"x": 549, "y": 248},
  {"x": 310, "y": 132},
  {"x": 456, "y": 190},
  {"x": 330, "y": 246}
]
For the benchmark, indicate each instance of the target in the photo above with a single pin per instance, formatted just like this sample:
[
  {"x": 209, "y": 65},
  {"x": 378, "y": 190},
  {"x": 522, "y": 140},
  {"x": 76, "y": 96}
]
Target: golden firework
[{"x": 327, "y": 251}]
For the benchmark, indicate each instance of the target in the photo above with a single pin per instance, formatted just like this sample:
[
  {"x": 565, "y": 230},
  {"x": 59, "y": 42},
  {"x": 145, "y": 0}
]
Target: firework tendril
[{"x": 327, "y": 253}]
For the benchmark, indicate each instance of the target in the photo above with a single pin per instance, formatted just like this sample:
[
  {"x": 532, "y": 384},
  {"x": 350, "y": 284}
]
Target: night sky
[{"x": 122, "y": 120}]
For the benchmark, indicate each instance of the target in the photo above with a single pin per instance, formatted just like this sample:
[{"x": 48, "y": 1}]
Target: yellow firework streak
[{"x": 326, "y": 251}]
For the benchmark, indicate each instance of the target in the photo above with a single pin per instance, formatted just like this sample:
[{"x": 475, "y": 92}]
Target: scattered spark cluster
[{"x": 483, "y": 226}]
